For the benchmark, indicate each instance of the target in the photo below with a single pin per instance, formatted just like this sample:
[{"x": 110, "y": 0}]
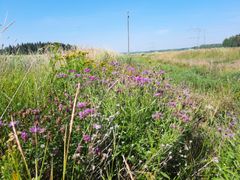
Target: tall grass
[{"x": 135, "y": 119}]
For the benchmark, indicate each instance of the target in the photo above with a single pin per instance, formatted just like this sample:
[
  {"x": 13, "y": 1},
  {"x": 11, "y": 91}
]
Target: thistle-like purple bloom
[
  {"x": 24, "y": 136},
  {"x": 36, "y": 129},
  {"x": 97, "y": 151},
  {"x": 161, "y": 72},
  {"x": 13, "y": 123},
  {"x": 183, "y": 116},
  {"x": 77, "y": 75},
  {"x": 86, "y": 112},
  {"x": 172, "y": 104},
  {"x": 141, "y": 80},
  {"x": 131, "y": 69},
  {"x": 87, "y": 70},
  {"x": 81, "y": 105},
  {"x": 62, "y": 75},
  {"x": 1, "y": 123},
  {"x": 86, "y": 138},
  {"x": 92, "y": 78}
]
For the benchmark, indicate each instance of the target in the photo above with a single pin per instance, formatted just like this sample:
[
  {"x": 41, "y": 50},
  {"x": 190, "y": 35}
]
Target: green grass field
[{"x": 170, "y": 115}]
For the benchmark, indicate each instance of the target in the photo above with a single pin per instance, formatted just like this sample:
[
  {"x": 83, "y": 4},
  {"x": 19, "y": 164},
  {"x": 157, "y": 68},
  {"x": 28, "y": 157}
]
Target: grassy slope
[{"x": 213, "y": 73}]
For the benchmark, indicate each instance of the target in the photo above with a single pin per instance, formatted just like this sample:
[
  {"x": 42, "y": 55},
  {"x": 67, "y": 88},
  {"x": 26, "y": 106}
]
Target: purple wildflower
[
  {"x": 85, "y": 113},
  {"x": 141, "y": 80},
  {"x": 81, "y": 105},
  {"x": 159, "y": 93},
  {"x": 81, "y": 115},
  {"x": 89, "y": 111},
  {"x": 86, "y": 138},
  {"x": 13, "y": 123},
  {"x": 172, "y": 104},
  {"x": 36, "y": 129},
  {"x": 97, "y": 151},
  {"x": 61, "y": 75},
  {"x": 24, "y": 136},
  {"x": 145, "y": 72},
  {"x": 232, "y": 123},
  {"x": 77, "y": 75},
  {"x": 87, "y": 70},
  {"x": 114, "y": 63},
  {"x": 92, "y": 78},
  {"x": 183, "y": 116},
  {"x": 97, "y": 126},
  {"x": 131, "y": 69},
  {"x": 1, "y": 123},
  {"x": 219, "y": 129},
  {"x": 161, "y": 72}
]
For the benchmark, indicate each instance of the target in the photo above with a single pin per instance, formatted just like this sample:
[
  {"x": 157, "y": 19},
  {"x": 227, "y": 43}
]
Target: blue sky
[{"x": 155, "y": 24}]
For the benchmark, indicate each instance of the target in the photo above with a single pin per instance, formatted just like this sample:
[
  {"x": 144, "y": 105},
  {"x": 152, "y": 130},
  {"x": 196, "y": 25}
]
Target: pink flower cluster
[{"x": 86, "y": 112}]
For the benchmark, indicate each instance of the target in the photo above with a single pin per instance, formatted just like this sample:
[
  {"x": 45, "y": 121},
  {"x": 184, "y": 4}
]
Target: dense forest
[{"x": 33, "y": 48}]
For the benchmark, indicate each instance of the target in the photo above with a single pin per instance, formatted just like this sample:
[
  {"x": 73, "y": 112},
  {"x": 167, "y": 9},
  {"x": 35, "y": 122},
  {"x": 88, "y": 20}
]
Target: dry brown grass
[{"x": 219, "y": 58}]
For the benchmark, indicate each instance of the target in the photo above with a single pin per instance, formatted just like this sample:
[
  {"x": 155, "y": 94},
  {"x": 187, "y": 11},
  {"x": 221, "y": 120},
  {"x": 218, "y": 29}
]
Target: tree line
[
  {"x": 233, "y": 41},
  {"x": 33, "y": 48}
]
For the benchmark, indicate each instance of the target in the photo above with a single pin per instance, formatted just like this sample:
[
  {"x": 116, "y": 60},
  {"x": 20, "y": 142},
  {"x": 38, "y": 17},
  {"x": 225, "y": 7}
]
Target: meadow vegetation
[{"x": 87, "y": 115}]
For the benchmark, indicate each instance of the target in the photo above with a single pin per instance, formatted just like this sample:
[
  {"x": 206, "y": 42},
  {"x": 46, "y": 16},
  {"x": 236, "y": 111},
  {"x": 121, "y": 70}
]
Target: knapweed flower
[
  {"x": 141, "y": 80},
  {"x": 86, "y": 138},
  {"x": 92, "y": 78},
  {"x": 131, "y": 69},
  {"x": 87, "y": 70},
  {"x": 77, "y": 75},
  {"x": 97, "y": 151},
  {"x": 62, "y": 75},
  {"x": 183, "y": 116},
  {"x": 161, "y": 72},
  {"x": 232, "y": 123},
  {"x": 172, "y": 104},
  {"x": 1, "y": 123},
  {"x": 145, "y": 72},
  {"x": 115, "y": 63},
  {"x": 97, "y": 126},
  {"x": 89, "y": 111},
  {"x": 13, "y": 123},
  {"x": 86, "y": 112},
  {"x": 159, "y": 93},
  {"x": 157, "y": 116},
  {"x": 36, "y": 129},
  {"x": 81, "y": 105},
  {"x": 24, "y": 136}
]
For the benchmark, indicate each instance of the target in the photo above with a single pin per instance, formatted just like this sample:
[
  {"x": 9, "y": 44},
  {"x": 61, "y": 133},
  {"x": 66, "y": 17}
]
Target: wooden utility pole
[{"x": 128, "y": 17}]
